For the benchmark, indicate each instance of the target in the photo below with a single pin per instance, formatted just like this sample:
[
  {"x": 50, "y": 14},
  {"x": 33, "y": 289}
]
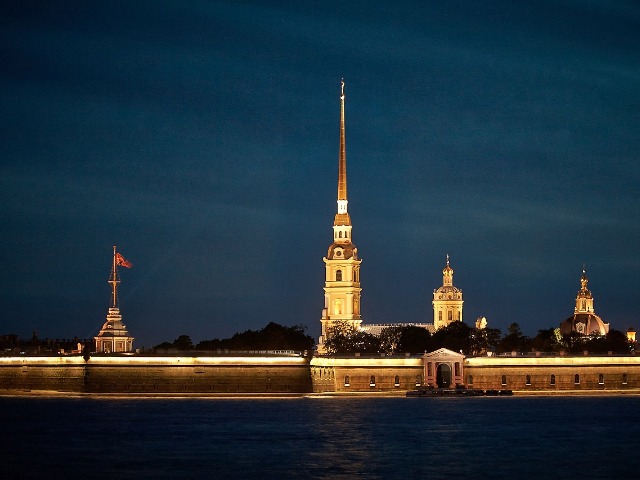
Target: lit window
[
  {"x": 576, "y": 379},
  {"x": 347, "y": 383},
  {"x": 418, "y": 380},
  {"x": 397, "y": 381},
  {"x": 624, "y": 378},
  {"x": 601, "y": 379},
  {"x": 372, "y": 381},
  {"x": 440, "y": 316},
  {"x": 504, "y": 380},
  {"x": 527, "y": 380},
  {"x": 553, "y": 379}
]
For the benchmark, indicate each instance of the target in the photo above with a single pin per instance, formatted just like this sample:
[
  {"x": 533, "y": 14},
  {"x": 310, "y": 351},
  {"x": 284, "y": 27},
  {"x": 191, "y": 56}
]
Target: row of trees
[
  {"x": 271, "y": 337},
  {"x": 459, "y": 337}
]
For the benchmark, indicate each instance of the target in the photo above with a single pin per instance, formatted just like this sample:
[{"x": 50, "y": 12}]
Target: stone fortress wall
[
  {"x": 149, "y": 375},
  {"x": 131, "y": 375}
]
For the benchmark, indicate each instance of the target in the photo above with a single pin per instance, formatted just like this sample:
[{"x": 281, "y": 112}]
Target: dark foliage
[
  {"x": 456, "y": 336},
  {"x": 514, "y": 341},
  {"x": 271, "y": 337}
]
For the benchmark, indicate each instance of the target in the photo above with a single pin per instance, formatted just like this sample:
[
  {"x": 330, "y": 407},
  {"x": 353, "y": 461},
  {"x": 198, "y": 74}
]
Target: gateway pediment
[{"x": 443, "y": 352}]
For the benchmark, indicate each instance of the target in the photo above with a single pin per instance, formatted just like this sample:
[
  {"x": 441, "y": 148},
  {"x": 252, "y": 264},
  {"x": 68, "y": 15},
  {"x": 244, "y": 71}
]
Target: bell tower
[
  {"x": 447, "y": 300},
  {"x": 342, "y": 265},
  {"x": 584, "y": 299}
]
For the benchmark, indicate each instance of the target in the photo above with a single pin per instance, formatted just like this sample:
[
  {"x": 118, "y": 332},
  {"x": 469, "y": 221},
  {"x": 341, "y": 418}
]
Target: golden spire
[
  {"x": 114, "y": 280},
  {"x": 342, "y": 160},
  {"x": 342, "y": 217}
]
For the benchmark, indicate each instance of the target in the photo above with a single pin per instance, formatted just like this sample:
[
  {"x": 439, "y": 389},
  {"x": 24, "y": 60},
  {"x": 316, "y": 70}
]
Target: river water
[{"x": 321, "y": 438}]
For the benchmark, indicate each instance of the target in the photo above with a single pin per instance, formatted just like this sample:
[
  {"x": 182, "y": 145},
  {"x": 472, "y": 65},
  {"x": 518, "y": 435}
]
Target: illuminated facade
[
  {"x": 342, "y": 265},
  {"x": 584, "y": 320},
  {"x": 114, "y": 337},
  {"x": 447, "y": 300}
]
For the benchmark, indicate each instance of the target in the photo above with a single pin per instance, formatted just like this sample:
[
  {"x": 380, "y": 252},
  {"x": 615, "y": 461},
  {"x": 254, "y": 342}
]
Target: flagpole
[{"x": 114, "y": 281}]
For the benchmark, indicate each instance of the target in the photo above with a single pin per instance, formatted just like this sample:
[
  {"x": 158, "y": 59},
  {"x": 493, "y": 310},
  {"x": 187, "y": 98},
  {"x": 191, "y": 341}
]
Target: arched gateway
[{"x": 443, "y": 368}]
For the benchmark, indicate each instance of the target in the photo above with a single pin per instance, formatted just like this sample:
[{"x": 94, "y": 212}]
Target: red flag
[{"x": 120, "y": 260}]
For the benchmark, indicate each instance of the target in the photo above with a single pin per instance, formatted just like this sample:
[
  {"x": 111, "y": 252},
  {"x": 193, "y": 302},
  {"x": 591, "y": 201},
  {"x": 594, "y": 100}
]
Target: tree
[
  {"x": 514, "y": 341},
  {"x": 271, "y": 337},
  {"x": 182, "y": 343},
  {"x": 414, "y": 339},
  {"x": 403, "y": 339},
  {"x": 390, "y": 339},
  {"x": 343, "y": 339},
  {"x": 485, "y": 340},
  {"x": 456, "y": 336},
  {"x": 546, "y": 341}
]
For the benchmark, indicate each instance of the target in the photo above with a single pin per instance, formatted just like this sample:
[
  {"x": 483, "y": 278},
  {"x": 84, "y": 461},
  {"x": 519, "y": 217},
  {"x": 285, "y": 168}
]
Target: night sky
[{"x": 202, "y": 139}]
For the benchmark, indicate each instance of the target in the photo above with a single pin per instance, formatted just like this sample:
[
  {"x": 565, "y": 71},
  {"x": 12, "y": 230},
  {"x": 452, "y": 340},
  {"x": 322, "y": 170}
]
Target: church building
[
  {"x": 447, "y": 300},
  {"x": 584, "y": 320},
  {"x": 342, "y": 289},
  {"x": 342, "y": 265}
]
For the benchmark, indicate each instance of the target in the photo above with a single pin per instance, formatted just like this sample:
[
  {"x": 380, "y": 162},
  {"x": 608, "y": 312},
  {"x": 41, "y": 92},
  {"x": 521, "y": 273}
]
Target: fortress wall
[
  {"x": 159, "y": 375},
  {"x": 61, "y": 374},
  {"x": 595, "y": 373},
  {"x": 330, "y": 374}
]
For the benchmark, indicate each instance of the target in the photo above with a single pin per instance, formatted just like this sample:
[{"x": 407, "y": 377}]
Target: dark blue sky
[{"x": 202, "y": 138}]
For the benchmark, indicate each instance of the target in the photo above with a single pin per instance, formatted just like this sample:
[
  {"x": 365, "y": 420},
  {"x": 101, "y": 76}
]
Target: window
[
  {"x": 450, "y": 315},
  {"x": 553, "y": 379},
  {"x": 470, "y": 379},
  {"x": 338, "y": 275},
  {"x": 527, "y": 380},
  {"x": 418, "y": 380},
  {"x": 337, "y": 309},
  {"x": 440, "y": 316},
  {"x": 456, "y": 369},
  {"x": 504, "y": 380},
  {"x": 624, "y": 378},
  {"x": 372, "y": 381},
  {"x": 576, "y": 379},
  {"x": 458, "y": 315},
  {"x": 601, "y": 379},
  {"x": 347, "y": 382},
  {"x": 430, "y": 369},
  {"x": 396, "y": 381},
  {"x": 340, "y": 235}
]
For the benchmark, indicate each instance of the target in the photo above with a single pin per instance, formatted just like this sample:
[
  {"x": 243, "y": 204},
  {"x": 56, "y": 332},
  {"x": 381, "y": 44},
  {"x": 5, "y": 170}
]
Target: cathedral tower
[
  {"x": 447, "y": 300},
  {"x": 342, "y": 266}
]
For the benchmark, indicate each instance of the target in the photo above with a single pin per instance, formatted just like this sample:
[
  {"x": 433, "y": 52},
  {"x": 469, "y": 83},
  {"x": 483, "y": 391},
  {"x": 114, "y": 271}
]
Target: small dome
[
  {"x": 342, "y": 250},
  {"x": 448, "y": 289},
  {"x": 584, "y": 324}
]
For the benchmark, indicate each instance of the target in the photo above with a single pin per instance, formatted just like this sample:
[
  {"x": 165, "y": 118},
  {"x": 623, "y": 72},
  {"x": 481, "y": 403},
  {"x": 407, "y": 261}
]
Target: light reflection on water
[{"x": 322, "y": 438}]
